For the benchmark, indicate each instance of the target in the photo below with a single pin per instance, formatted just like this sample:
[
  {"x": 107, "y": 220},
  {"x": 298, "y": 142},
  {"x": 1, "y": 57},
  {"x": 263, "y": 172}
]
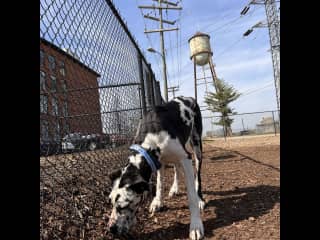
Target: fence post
[
  {"x": 274, "y": 124},
  {"x": 157, "y": 93},
  {"x": 143, "y": 95},
  {"x": 151, "y": 79},
  {"x": 141, "y": 110},
  {"x": 242, "y": 124},
  {"x": 224, "y": 128}
]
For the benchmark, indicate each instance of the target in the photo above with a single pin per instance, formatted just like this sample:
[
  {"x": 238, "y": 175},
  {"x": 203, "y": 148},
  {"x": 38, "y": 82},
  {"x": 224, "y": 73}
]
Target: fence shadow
[
  {"x": 257, "y": 161},
  {"x": 223, "y": 157},
  {"x": 239, "y": 204},
  {"x": 234, "y": 153}
]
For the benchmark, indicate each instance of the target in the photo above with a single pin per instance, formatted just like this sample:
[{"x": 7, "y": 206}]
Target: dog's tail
[{"x": 197, "y": 121}]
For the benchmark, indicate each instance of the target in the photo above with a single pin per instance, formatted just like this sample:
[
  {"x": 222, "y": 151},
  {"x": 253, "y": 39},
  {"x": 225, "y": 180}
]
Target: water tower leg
[
  {"x": 213, "y": 73},
  {"x": 195, "y": 78}
]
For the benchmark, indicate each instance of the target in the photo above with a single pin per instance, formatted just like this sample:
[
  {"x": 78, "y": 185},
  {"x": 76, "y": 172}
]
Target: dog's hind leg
[
  {"x": 196, "y": 225},
  {"x": 198, "y": 162},
  {"x": 196, "y": 144}
]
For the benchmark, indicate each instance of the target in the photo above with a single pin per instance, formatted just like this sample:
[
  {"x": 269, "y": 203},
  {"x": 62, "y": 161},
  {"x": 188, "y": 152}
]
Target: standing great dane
[{"x": 163, "y": 136}]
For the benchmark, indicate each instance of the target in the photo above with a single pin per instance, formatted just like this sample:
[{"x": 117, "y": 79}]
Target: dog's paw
[
  {"x": 155, "y": 206},
  {"x": 196, "y": 229},
  {"x": 173, "y": 190},
  {"x": 201, "y": 204}
]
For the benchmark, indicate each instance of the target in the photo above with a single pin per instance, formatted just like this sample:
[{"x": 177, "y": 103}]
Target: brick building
[{"x": 69, "y": 96}]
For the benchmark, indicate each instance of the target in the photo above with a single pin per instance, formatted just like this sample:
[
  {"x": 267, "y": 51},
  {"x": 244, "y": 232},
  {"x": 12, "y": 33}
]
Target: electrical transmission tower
[
  {"x": 273, "y": 24},
  {"x": 168, "y": 6}
]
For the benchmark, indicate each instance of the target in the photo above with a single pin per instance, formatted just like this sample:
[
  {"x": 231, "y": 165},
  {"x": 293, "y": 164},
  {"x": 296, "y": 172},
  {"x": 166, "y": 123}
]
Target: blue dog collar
[{"x": 153, "y": 163}]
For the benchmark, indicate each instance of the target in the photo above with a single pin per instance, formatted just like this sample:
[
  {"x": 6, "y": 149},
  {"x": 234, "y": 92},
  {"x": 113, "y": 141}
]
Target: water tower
[{"x": 201, "y": 54}]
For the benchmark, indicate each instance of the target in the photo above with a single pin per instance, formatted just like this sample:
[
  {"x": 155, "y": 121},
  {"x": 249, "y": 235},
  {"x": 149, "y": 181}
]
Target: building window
[
  {"x": 44, "y": 130},
  {"x": 64, "y": 85},
  {"x": 41, "y": 57},
  {"x": 55, "y": 108},
  {"x": 66, "y": 127},
  {"x": 52, "y": 62},
  {"x": 62, "y": 68},
  {"x": 56, "y": 135},
  {"x": 43, "y": 104},
  {"x": 42, "y": 81},
  {"x": 65, "y": 109},
  {"x": 53, "y": 83}
]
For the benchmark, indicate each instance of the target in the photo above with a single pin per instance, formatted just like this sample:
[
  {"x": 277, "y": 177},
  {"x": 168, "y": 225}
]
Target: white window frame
[
  {"x": 62, "y": 68},
  {"x": 44, "y": 130},
  {"x": 54, "y": 87},
  {"x": 52, "y": 62},
  {"x": 42, "y": 81},
  {"x": 43, "y": 103},
  {"x": 42, "y": 57},
  {"x": 56, "y": 132},
  {"x": 55, "y": 107}
]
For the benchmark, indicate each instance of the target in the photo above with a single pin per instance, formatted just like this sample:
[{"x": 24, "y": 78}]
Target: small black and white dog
[{"x": 162, "y": 138}]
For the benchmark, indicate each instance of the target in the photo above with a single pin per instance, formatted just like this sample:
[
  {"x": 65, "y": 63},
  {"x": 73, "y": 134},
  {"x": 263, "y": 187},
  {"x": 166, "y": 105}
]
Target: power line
[
  {"x": 173, "y": 89},
  {"x": 250, "y": 89},
  {"x": 171, "y": 56},
  {"x": 178, "y": 58},
  {"x": 273, "y": 24},
  {"x": 257, "y": 90},
  {"x": 236, "y": 42},
  {"x": 218, "y": 28},
  {"x": 229, "y": 47},
  {"x": 161, "y": 31},
  {"x": 149, "y": 40},
  {"x": 175, "y": 60},
  {"x": 185, "y": 42},
  {"x": 247, "y": 17},
  {"x": 216, "y": 23}
]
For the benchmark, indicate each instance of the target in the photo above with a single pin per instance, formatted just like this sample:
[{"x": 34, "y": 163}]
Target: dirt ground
[
  {"x": 241, "y": 186},
  {"x": 240, "y": 181}
]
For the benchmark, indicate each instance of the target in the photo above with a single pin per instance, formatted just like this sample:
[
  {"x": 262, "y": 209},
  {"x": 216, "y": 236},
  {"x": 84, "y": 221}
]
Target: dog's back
[{"x": 178, "y": 117}]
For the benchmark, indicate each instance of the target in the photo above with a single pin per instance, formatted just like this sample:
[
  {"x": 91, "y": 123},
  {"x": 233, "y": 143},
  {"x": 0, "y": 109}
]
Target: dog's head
[{"x": 128, "y": 188}]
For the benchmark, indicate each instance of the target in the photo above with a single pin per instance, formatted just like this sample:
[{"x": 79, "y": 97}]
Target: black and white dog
[{"x": 163, "y": 136}]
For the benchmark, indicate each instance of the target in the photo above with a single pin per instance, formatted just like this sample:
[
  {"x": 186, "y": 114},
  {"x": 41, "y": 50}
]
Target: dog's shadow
[{"x": 234, "y": 206}]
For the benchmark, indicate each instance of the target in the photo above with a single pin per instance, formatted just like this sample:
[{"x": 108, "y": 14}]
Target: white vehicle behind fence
[{"x": 84, "y": 142}]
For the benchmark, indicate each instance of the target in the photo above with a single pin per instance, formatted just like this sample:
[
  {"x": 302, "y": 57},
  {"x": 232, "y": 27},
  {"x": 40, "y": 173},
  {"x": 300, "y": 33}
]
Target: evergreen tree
[{"x": 219, "y": 102}]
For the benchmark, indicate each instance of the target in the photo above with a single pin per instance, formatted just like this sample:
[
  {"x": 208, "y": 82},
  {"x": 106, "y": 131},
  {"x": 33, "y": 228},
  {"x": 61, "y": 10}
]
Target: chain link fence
[
  {"x": 95, "y": 84},
  {"x": 266, "y": 122}
]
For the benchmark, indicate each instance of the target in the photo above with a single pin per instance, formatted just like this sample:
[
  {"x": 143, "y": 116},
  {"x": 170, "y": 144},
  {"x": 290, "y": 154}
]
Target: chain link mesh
[
  {"x": 95, "y": 85},
  {"x": 253, "y": 123}
]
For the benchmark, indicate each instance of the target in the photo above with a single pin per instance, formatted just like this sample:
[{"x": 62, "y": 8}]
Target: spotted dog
[{"x": 165, "y": 136}]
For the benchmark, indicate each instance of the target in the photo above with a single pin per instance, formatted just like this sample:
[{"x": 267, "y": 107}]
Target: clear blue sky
[{"x": 244, "y": 63}]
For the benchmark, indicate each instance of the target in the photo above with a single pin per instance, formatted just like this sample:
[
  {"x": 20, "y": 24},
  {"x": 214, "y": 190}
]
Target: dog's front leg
[
  {"x": 156, "y": 203},
  {"x": 196, "y": 225},
  {"x": 175, "y": 185}
]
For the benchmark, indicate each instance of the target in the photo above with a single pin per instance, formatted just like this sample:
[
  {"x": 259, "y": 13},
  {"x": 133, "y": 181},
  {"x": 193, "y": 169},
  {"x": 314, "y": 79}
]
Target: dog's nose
[{"x": 114, "y": 229}]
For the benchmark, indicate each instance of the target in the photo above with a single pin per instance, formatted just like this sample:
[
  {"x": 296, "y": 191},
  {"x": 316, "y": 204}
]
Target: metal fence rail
[
  {"x": 96, "y": 83},
  {"x": 253, "y": 123}
]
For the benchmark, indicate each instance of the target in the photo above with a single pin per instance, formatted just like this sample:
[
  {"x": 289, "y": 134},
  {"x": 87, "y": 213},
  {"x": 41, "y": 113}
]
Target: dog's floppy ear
[
  {"x": 115, "y": 174},
  {"x": 139, "y": 187}
]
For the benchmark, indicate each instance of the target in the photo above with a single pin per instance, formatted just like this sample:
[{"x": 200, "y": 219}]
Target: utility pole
[
  {"x": 242, "y": 124},
  {"x": 173, "y": 90},
  {"x": 273, "y": 24},
  {"x": 160, "y": 7}
]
